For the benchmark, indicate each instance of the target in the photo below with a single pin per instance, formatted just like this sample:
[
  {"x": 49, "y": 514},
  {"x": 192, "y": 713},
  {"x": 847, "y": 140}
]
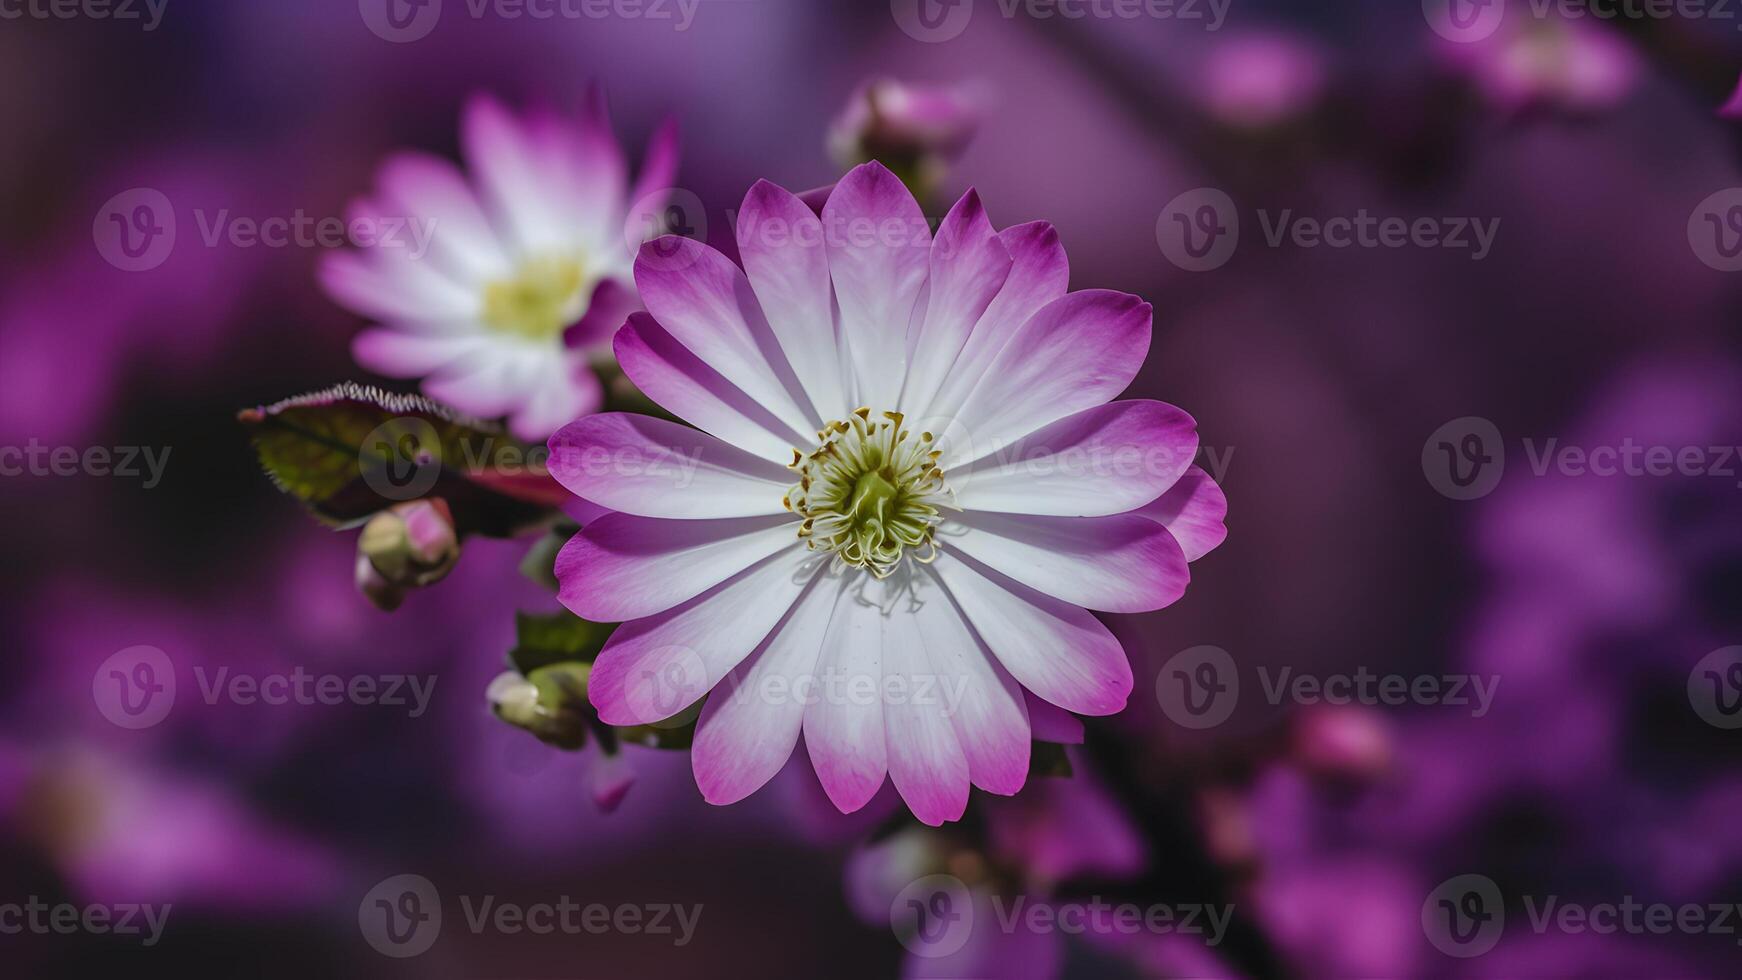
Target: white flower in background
[{"x": 527, "y": 271}]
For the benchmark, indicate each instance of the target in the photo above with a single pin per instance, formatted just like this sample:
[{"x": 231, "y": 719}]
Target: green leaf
[
  {"x": 539, "y": 565},
  {"x": 550, "y": 638},
  {"x": 348, "y": 452}
]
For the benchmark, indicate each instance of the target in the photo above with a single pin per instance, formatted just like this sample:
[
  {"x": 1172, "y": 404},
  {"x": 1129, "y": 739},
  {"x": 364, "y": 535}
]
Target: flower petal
[
  {"x": 429, "y": 189},
  {"x": 1078, "y": 352},
  {"x": 751, "y": 722},
  {"x": 1124, "y": 563},
  {"x": 569, "y": 389},
  {"x": 706, "y": 303},
  {"x": 512, "y": 172},
  {"x": 376, "y": 284},
  {"x": 925, "y": 758},
  {"x": 1100, "y": 461},
  {"x": 654, "y": 668},
  {"x": 1193, "y": 511},
  {"x": 988, "y": 708},
  {"x": 1039, "y": 274},
  {"x": 1051, "y": 647},
  {"x": 969, "y": 265},
  {"x": 640, "y": 465},
  {"x": 780, "y": 241},
  {"x": 687, "y": 387},
  {"x": 879, "y": 254},
  {"x": 659, "y": 164},
  {"x": 624, "y": 567},
  {"x": 845, "y": 734},
  {"x": 490, "y": 380},
  {"x": 399, "y": 354}
]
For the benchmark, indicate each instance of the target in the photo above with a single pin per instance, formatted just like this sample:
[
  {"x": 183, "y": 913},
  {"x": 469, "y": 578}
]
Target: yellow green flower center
[
  {"x": 540, "y": 302},
  {"x": 869, "y": 492}
]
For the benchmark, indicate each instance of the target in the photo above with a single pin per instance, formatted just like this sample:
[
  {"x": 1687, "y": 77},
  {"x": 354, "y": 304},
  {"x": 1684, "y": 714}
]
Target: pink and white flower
[
  {"x": 527, "y": 273},
  {"x": 910, "y": 485}
]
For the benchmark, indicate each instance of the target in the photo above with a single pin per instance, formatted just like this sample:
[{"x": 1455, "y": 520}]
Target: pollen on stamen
[{"x": 869, "y": 493}]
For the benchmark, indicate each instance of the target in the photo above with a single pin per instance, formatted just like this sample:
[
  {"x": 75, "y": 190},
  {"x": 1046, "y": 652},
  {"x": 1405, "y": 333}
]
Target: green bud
[
  {"x": 406, "y": 547},
  {"x": 551, "y": 702}
]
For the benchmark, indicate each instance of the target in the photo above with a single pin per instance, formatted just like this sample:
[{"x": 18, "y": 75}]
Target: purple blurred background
[{"x": 1602, "y": 312}]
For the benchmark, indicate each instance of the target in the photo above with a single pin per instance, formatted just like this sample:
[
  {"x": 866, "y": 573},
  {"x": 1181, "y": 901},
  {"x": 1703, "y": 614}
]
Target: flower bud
[
  {"x": 384, "y": 594},
  {"x": 551, "y": 702},
  {"x": 406, "y": 547},
  {"x": 913, "y": 129},
  {"x": 1342, "y": 743}
]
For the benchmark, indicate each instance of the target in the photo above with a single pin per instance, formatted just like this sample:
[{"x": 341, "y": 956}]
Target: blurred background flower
[{"x": 1601, "y": 314}]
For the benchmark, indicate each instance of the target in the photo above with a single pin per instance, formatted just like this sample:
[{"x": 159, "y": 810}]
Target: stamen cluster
[{"x": 870, "y": 491}]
